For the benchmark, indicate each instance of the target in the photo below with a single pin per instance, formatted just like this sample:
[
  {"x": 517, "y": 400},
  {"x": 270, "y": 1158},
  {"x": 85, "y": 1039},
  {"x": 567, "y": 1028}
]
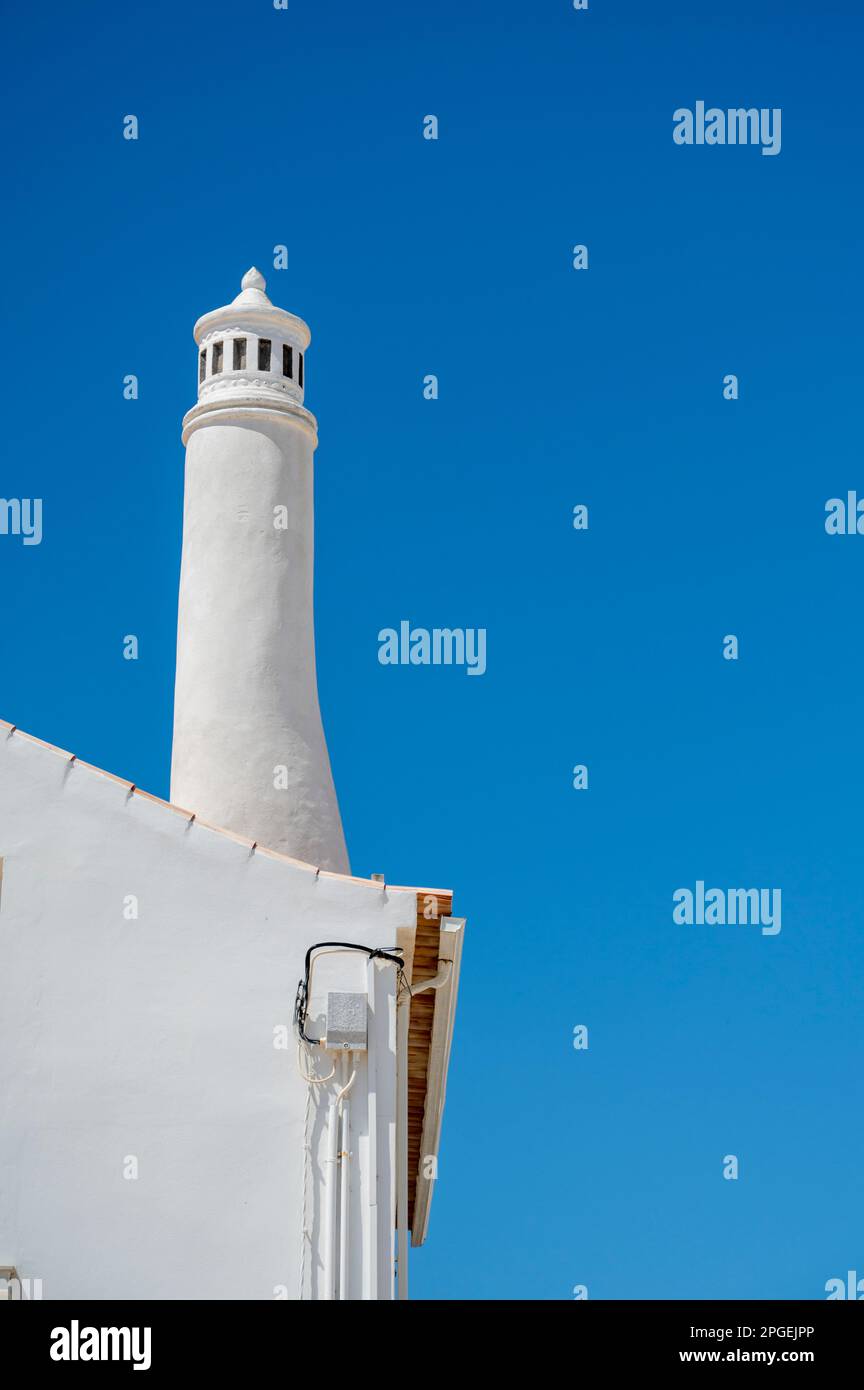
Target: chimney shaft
[{"x": 249, "y": 750}]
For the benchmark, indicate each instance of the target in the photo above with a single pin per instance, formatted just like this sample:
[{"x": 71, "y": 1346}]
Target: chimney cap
[
  {"x": 252, "y": 311},
  {"x": 253, "y": 280}
]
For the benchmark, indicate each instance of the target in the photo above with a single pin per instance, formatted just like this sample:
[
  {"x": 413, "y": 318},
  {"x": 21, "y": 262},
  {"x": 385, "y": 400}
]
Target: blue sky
[{"x": 601, "y": 1167}]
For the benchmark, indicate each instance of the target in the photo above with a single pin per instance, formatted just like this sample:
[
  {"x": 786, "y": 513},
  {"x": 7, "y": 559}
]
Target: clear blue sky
[{"x": 557, "y": 387}]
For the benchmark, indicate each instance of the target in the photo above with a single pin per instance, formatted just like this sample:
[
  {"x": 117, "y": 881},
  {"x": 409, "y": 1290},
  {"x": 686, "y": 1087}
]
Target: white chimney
[{"x": 249, "y": 750}]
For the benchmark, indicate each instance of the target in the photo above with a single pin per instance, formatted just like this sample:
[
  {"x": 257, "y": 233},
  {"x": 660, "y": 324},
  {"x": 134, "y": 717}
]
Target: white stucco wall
[{"x": 154, "y": 1038}]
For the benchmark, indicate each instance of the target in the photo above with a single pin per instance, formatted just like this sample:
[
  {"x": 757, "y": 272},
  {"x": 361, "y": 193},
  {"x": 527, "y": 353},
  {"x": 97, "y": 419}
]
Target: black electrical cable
[{"x": 301, "y": 1003}]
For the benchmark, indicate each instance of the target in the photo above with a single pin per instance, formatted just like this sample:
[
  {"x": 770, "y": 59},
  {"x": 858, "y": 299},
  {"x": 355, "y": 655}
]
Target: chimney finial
[{"x": 253, "y": 280}]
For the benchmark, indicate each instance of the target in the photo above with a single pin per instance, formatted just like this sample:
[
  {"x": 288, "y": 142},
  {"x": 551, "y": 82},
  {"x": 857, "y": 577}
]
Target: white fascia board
[{"x": 449, "y": 949}]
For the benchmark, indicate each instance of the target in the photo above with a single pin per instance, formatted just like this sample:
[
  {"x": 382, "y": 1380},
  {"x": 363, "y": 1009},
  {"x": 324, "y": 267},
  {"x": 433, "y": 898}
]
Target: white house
[{"x": 224, "y": 1059}]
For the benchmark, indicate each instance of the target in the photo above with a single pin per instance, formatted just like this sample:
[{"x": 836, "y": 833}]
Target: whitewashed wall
[{"x": 154, "y": 1038}]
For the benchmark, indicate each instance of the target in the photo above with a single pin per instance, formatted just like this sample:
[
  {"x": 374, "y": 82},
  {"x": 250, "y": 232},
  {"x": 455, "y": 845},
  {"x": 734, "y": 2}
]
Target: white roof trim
[
  {"x": 449, "y": 949},
  {"x": 11, "y": 731}
]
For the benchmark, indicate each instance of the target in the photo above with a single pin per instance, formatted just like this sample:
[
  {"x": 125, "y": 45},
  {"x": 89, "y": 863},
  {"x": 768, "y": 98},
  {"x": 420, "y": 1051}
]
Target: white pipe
[
  {"x": 402, "y": 1011},
  {"x": 370, "y": 1278},
  {"x": 331, "y": 1173},
  {"x": 437, "y": 980},
  {"x": 334, "y": 1277},
  {"x": 345, "y": 1179},
  {"x": 402, "y": 1023}
]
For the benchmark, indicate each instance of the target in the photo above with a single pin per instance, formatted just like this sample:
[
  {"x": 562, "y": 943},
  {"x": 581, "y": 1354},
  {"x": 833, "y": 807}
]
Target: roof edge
[
  {"x": 251, "y": 845},
  {"x": 450, "y": 941}
]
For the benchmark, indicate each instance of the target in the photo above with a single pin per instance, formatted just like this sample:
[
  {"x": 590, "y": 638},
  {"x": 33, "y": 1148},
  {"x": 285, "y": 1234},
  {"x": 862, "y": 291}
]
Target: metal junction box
[{"x": 346, "y": 1022}]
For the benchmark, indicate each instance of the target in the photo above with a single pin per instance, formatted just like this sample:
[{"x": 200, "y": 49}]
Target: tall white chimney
[{"x": 249, "y": 750}]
